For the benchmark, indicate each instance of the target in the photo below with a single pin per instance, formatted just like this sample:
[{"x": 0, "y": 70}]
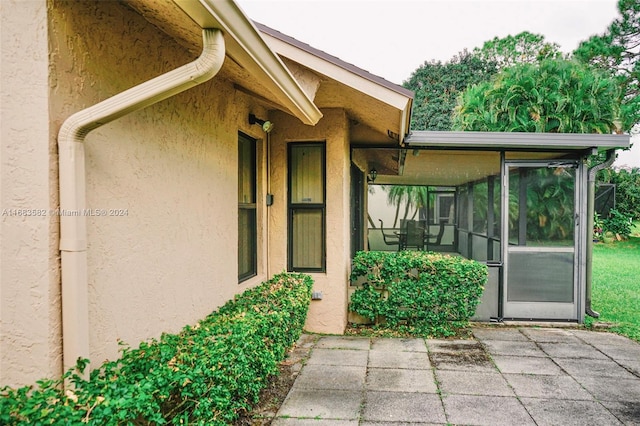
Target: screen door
[{"x": 540, "y": 256}]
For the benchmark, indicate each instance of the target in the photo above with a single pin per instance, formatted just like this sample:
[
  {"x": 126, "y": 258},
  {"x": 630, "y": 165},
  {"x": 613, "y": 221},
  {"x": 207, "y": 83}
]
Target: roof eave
[
  {"x": 334, "y": 60},
  {"x": 341, "y": 71},
  {"x": 405, "y": 122},
  {"x": 248, "y": 48},
  {"x": 515, "y": 140}
]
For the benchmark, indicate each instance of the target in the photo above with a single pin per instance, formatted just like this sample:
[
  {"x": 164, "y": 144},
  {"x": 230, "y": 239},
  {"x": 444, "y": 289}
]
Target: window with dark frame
[
  {"x": 307, "y": 206},
  {"x": 247, "y": 217}
]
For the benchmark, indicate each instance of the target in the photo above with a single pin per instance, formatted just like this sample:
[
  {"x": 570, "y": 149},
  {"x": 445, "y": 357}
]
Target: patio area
[{"x": 504, "y": 376}]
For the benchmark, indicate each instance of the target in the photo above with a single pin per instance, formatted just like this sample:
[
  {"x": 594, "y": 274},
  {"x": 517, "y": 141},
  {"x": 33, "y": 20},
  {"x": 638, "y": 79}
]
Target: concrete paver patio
[{"x": 505, "y": 376}]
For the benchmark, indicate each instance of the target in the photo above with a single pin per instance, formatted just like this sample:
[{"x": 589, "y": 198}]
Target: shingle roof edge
[{"x": 334, "y": 60}]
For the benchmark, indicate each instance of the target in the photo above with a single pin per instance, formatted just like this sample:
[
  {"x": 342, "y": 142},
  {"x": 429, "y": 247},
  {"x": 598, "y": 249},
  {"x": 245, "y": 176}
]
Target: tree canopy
[
  {"x": 523, "y": 48},
  {"x": 617, "y": 51},
  {"x": 549, "y": 96},
  {"x": 437, "y": 85}
]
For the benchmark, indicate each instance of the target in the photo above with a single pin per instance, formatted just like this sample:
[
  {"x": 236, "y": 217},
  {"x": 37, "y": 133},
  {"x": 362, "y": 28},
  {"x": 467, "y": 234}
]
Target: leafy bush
[
  {"x": 598, "y": 224},
  {"x": 419, "y": 292},
  {"x": 627, "y": 182},
  {"x": 617, "y": 223},
  {"x": 207, "y": 374}
]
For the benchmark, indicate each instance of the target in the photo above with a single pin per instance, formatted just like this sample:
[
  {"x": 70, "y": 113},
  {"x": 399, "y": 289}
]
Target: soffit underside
[
  {"x": 377, "y": 108},
  {"x": 441, "y": 167},
  {"x": 171, "y": 20},
  {"x": 371, "y": 120}
]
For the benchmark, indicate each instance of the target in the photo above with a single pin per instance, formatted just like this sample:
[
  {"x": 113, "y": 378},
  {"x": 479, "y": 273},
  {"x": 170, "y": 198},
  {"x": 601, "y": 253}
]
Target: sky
[{"x": 392, "y": 38}]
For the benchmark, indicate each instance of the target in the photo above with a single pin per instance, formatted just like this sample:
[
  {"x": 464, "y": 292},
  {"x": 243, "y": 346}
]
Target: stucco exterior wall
[
  {"x": 29, "y": 276},
  {"x": 169, "y": 172},
  {"x": 328, "y": 315},
  {"x": 164, "y": 255}
]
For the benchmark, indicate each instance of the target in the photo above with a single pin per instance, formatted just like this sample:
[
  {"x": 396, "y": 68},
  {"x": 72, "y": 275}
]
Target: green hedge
[
  {"x": 423, "y": 293},
  {"x": 207, "y": 374}
]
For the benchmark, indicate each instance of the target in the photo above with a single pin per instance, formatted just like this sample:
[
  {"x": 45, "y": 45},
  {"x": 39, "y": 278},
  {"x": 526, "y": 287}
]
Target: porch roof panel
[{"x": 515, "y": 140}]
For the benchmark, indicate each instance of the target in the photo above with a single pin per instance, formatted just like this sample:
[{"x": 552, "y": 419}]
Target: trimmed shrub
[
  {"x": 423, "y": 293},
  {"x": 618, "y": 224},
  {"x": 207, "y": 374}
]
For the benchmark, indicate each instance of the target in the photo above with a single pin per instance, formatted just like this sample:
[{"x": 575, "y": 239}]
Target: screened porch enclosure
[
  {"x": 455, "y": 196},
  {"x": 518, "y": 212},
  {"x": 431, "y": 212}
]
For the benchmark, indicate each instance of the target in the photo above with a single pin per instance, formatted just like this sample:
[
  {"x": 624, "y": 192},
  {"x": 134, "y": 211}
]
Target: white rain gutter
[
  {"x": 249, "y": 50},
  {"x": 73, "y": 224}
]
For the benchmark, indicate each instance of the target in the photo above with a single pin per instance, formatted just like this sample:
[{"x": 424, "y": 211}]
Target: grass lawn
[{"x": 615, "y": 293}]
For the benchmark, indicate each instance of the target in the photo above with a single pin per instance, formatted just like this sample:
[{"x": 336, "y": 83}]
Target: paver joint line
[{"x": 480, "y": 381}]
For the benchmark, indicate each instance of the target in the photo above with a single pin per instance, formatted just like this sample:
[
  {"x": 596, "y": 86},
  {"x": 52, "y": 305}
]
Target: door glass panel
[
  {"x": 246, "y": 170},
  {"x": 307, "y": 235},
  {"x": 246, "y": 242},
  {"x": 307, "y": 177},
  {"x": 541, "y": 206}
]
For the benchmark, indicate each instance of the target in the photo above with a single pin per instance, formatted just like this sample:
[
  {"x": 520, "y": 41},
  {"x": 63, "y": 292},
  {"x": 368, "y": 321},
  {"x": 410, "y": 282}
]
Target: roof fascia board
[
  {"x": 338, "y": 73},
  {"x": 405, "y": 122},
  {"x": 333, "y": 59},
  {"x": 249, "y": 49},
  {"x": 515, "y": 140}
]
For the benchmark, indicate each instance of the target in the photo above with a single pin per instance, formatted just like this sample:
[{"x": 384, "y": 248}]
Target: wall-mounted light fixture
[
  {"x": 373, "y": 174},
  {"x": 267, "y": 126}
]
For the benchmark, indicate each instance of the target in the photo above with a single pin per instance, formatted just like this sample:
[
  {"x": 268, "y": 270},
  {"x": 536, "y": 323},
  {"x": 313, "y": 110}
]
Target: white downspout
[
  {"x": 591, "y": 190},
  {"x": 73, "y": 224}
]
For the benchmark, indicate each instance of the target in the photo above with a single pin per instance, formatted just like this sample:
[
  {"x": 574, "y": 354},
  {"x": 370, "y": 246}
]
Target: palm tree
[
  {"x": 551, "y": 96},
  {"x": 411, "y": 196}
]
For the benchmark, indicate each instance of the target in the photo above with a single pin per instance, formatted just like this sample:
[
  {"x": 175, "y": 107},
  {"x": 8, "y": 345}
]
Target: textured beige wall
[
  {"x": 169, "y": 170},
  {"x": 29, "y": 278},
  {"x": 328, "y": 315}
]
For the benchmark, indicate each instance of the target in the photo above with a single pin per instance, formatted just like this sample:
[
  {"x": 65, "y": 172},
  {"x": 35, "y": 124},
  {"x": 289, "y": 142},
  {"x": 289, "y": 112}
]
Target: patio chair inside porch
[
  {"x": 411, "y": 236},
  {"x": 389, "y": 238}
]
